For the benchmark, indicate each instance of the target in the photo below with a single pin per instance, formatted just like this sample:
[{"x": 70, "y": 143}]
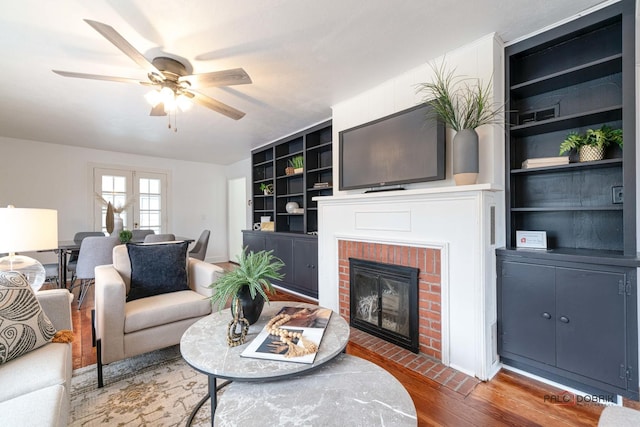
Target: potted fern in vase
[
  {"x": 249, "y": 282},
  {"x": 463, "y": 104}
]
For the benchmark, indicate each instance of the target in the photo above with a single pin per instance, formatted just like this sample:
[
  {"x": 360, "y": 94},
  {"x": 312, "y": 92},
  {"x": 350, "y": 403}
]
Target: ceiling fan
[{"x": 169, "y": 76}]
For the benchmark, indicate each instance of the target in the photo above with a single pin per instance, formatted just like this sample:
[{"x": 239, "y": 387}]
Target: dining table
[{"x": 67, "y": 247}]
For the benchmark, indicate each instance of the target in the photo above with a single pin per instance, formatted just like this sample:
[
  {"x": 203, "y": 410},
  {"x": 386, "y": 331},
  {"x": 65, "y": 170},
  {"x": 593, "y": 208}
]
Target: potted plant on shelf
[
  {"x": 463, "y": 104},
  {"x": 266, "y": 188},
  {"x": 249, "y": 282},
  {"x": 592, "y": 144},
  {"x": 297, "y": 163}
]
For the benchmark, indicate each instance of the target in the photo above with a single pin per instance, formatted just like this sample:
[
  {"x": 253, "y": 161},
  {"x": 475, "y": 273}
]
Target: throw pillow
[
  {"x": 23, "y": 324},
  {"x": 157, "y": 269}
]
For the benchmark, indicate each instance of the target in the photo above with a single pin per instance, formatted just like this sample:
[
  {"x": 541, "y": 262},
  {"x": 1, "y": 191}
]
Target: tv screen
[{"x": 402, "y": 148}]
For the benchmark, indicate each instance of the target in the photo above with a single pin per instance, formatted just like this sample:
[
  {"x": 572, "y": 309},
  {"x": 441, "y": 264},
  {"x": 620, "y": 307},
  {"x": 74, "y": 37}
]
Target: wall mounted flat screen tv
[{"x": 405, "y": 147}]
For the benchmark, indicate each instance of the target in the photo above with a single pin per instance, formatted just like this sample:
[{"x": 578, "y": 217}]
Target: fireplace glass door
[{"x": 383, "y": 301}]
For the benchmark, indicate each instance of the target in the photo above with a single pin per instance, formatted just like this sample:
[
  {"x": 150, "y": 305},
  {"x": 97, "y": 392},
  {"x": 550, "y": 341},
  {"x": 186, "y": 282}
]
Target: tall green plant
[
  {"x": 255, "y": 270},
  {"x": 460, "y": 102},
  {"x": 296, "y": 162}
]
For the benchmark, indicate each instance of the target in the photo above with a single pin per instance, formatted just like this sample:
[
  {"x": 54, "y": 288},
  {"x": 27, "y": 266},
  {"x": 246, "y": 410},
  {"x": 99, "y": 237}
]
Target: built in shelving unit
[
  {"x": 571, "y": 78},
  {"x": 294, "y": 239}
]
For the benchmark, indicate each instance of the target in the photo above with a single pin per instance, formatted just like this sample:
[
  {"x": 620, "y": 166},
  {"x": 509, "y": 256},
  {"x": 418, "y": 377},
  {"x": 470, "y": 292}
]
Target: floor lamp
[{"x": 23, "y": 230}]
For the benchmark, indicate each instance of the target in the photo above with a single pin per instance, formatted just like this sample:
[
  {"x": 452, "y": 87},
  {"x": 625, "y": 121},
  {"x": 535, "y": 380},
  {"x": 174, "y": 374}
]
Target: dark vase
[{"x": 251, "y": 308}]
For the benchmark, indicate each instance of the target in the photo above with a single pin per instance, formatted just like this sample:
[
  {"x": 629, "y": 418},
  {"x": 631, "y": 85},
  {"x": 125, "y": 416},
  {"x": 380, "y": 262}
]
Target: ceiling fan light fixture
[
  {"x": 153, "y": 97},
  {"x": 183, "y": 102}
]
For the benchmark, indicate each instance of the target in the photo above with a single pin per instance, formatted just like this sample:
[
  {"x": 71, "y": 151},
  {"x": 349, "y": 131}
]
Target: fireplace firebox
[{"x": 384, "y": 301}]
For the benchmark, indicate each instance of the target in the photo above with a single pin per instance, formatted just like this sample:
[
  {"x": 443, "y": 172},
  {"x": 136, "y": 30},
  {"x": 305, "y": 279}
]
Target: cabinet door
[
  {"x": 590, "y": 324},
  {"x": 253, "y": 242},
  {"x": 528, "y": 311},
  {"x": 282, "y": 248},
  {"x": 305, "y": 271}
]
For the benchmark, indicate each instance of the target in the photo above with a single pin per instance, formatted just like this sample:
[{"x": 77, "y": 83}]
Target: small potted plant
[
  {"x": 250, "y": 282},
  {"x": 125, "y": 236},
  {"x": 591, "y": 145},
  {"x": 297, "y": 163},
  {"x": 266, "y": 188}
]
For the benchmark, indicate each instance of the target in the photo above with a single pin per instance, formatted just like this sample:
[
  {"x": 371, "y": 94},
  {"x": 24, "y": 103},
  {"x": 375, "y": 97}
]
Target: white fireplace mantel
[{"x": 462, "y": 221}]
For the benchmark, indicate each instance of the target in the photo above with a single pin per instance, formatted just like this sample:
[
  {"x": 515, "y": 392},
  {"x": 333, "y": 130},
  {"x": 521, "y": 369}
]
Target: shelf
[
  {"x": 323, "y": 145},
  {"x": 568, "y": 122},
  {"x": 290, "y": 195},
  {"x": 571, "y": 76},
  {"x": 289, "y": 214},
  {"x": 570, "y": 209},
  {"x": 263, "y": 210},
  {"x": 264, "y": 196},
  {"x": 607, "y": 163},
  {"x": 320, "y": 189},
  {"x": 322, "y": 169},
  {"x": 292, "y": 154},
  {"x": 293, "y": 175},
  {"x": 265, "y": 163}
]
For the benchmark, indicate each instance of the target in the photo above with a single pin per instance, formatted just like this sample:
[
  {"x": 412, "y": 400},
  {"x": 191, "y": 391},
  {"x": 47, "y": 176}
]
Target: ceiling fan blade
[
  {"x": 235, "y": 76},
  {"x": 118, "y": 41},
  {"x": 99, "y": 77},
  {"x": 214, "y": 105}
]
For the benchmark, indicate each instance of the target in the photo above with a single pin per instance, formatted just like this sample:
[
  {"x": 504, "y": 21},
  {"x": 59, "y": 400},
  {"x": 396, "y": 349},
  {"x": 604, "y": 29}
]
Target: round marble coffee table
[
  {"x": 204, "y": 347},
  {"x": 348, "y": 390}
]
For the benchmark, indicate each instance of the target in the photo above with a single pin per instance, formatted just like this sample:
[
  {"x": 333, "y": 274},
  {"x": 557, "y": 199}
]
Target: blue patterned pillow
[
  {"x": 23, "y": 324},
  {"x": 157, "y": 269}
]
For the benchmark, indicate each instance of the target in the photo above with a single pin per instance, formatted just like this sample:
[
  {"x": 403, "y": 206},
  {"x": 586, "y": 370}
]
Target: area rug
[{"x": 155, "y": 389}]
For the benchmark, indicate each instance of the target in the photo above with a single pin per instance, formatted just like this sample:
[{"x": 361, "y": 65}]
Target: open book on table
[{"x": 311, "y": 322}]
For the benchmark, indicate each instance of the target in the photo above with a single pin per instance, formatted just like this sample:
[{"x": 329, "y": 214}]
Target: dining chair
[
  {"x": 73, "y": 257},
  {"x": 94, "y": 251},
  {"x": 154, "y": 238},
  {"x": 138, "y": 235},
  {"x": 199, "y": 251}
]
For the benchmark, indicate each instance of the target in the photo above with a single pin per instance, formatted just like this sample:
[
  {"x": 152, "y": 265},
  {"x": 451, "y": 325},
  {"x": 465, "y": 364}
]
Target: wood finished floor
[{"x": 509, "y": 399}]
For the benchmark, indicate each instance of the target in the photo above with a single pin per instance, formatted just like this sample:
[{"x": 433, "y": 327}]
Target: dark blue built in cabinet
[{"x": 569, "y": 313}]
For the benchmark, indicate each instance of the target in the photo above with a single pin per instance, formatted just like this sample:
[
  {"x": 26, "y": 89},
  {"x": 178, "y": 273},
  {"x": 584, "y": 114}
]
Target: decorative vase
[
  {"x": 289, "y": 170},
  {"x": 589, "y": 153},
  {"x": 465, "y": 157},
  {"x": 298, "y": 170},
  {"x": 117, "y": 225},
  {"x": 251, "y": 307},
  {"x": 291, "y": 207}
]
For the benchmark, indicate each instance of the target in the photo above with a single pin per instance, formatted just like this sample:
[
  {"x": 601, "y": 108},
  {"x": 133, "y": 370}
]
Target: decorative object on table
[
  {"x": 293, "y": 334},
  {"x": 291, "y": 206},
  {"x": 257, "y": 226},
  {"x": 297, "y": 163},
  {"x": 267, "y": 226},
  {"x": 125, "y": 236},
  {"x": 23, "y": 230},
  {"x": 298, "y": 211},
  {"x": 113, "y": 221},
  {"x": 235, "y": 338},
  {"x": 323, "y": 184},
  {"x": 249, "y": 282},
  {"x": 266, "y": 189},
  {"x": 463, "y": 104},
  {"x": 592, "y": 144},
  {"x": 265, "y": 218}
]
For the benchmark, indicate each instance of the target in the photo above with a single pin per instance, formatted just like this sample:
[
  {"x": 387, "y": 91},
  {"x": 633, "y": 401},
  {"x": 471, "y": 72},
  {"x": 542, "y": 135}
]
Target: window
[{"x": 139, "y": 197}]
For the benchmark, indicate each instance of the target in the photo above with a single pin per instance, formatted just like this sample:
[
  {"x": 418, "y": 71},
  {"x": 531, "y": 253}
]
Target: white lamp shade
[{"x": 23, "y": 229}]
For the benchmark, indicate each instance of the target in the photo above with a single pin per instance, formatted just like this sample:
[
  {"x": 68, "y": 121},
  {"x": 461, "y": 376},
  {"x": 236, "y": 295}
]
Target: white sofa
[
  {"x": 125, "y": 329},
  {"x": 34, "y": 388}
]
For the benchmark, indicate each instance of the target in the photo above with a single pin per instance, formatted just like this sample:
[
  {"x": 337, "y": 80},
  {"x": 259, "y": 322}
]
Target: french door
[{"x": 140, "y": 196}]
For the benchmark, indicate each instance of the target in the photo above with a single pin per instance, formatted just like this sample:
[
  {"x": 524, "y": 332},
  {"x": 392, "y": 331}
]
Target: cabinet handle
[
  {"x": 546, "y": 315},
  {"x": 564, "y": 319}
]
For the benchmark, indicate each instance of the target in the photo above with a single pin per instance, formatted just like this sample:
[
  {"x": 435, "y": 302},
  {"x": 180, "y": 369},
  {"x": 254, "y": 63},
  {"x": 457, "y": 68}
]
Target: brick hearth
[{"x": 427, "y": 260}]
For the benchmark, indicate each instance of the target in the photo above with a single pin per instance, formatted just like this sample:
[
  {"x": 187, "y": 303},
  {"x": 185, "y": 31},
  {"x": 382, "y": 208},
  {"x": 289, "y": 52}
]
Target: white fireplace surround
[{"x": 461, "y": 222}]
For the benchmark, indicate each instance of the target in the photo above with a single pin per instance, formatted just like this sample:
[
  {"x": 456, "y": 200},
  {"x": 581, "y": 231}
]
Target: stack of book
[
  {"x": 321, "y": 185},
  {"x": 545, "y": 161}
]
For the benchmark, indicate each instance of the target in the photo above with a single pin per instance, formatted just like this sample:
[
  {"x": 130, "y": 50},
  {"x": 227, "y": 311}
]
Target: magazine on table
[{"x": 310, "y": 322}]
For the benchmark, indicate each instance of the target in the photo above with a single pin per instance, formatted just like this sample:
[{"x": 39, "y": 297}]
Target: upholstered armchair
[{"x": 139, "y": 307}]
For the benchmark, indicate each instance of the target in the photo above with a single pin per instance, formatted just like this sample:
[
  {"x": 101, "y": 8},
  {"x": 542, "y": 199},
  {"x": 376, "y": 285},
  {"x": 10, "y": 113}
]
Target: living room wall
[{"x": 44, "y": 175}]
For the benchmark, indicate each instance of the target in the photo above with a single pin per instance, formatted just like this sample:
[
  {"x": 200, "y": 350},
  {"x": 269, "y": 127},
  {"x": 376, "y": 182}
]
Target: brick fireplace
[{"x": 427, "y": 260}]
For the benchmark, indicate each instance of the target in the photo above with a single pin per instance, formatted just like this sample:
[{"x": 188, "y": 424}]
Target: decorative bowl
[{"x": 291, "y": 206}]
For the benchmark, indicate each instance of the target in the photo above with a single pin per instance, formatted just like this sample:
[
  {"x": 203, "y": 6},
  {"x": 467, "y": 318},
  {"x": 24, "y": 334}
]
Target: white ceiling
[{"x": 302, "y": 55}]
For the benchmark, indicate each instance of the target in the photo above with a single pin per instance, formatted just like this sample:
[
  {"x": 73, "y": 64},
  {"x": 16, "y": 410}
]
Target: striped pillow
[{"x": 23, "y": 324}]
